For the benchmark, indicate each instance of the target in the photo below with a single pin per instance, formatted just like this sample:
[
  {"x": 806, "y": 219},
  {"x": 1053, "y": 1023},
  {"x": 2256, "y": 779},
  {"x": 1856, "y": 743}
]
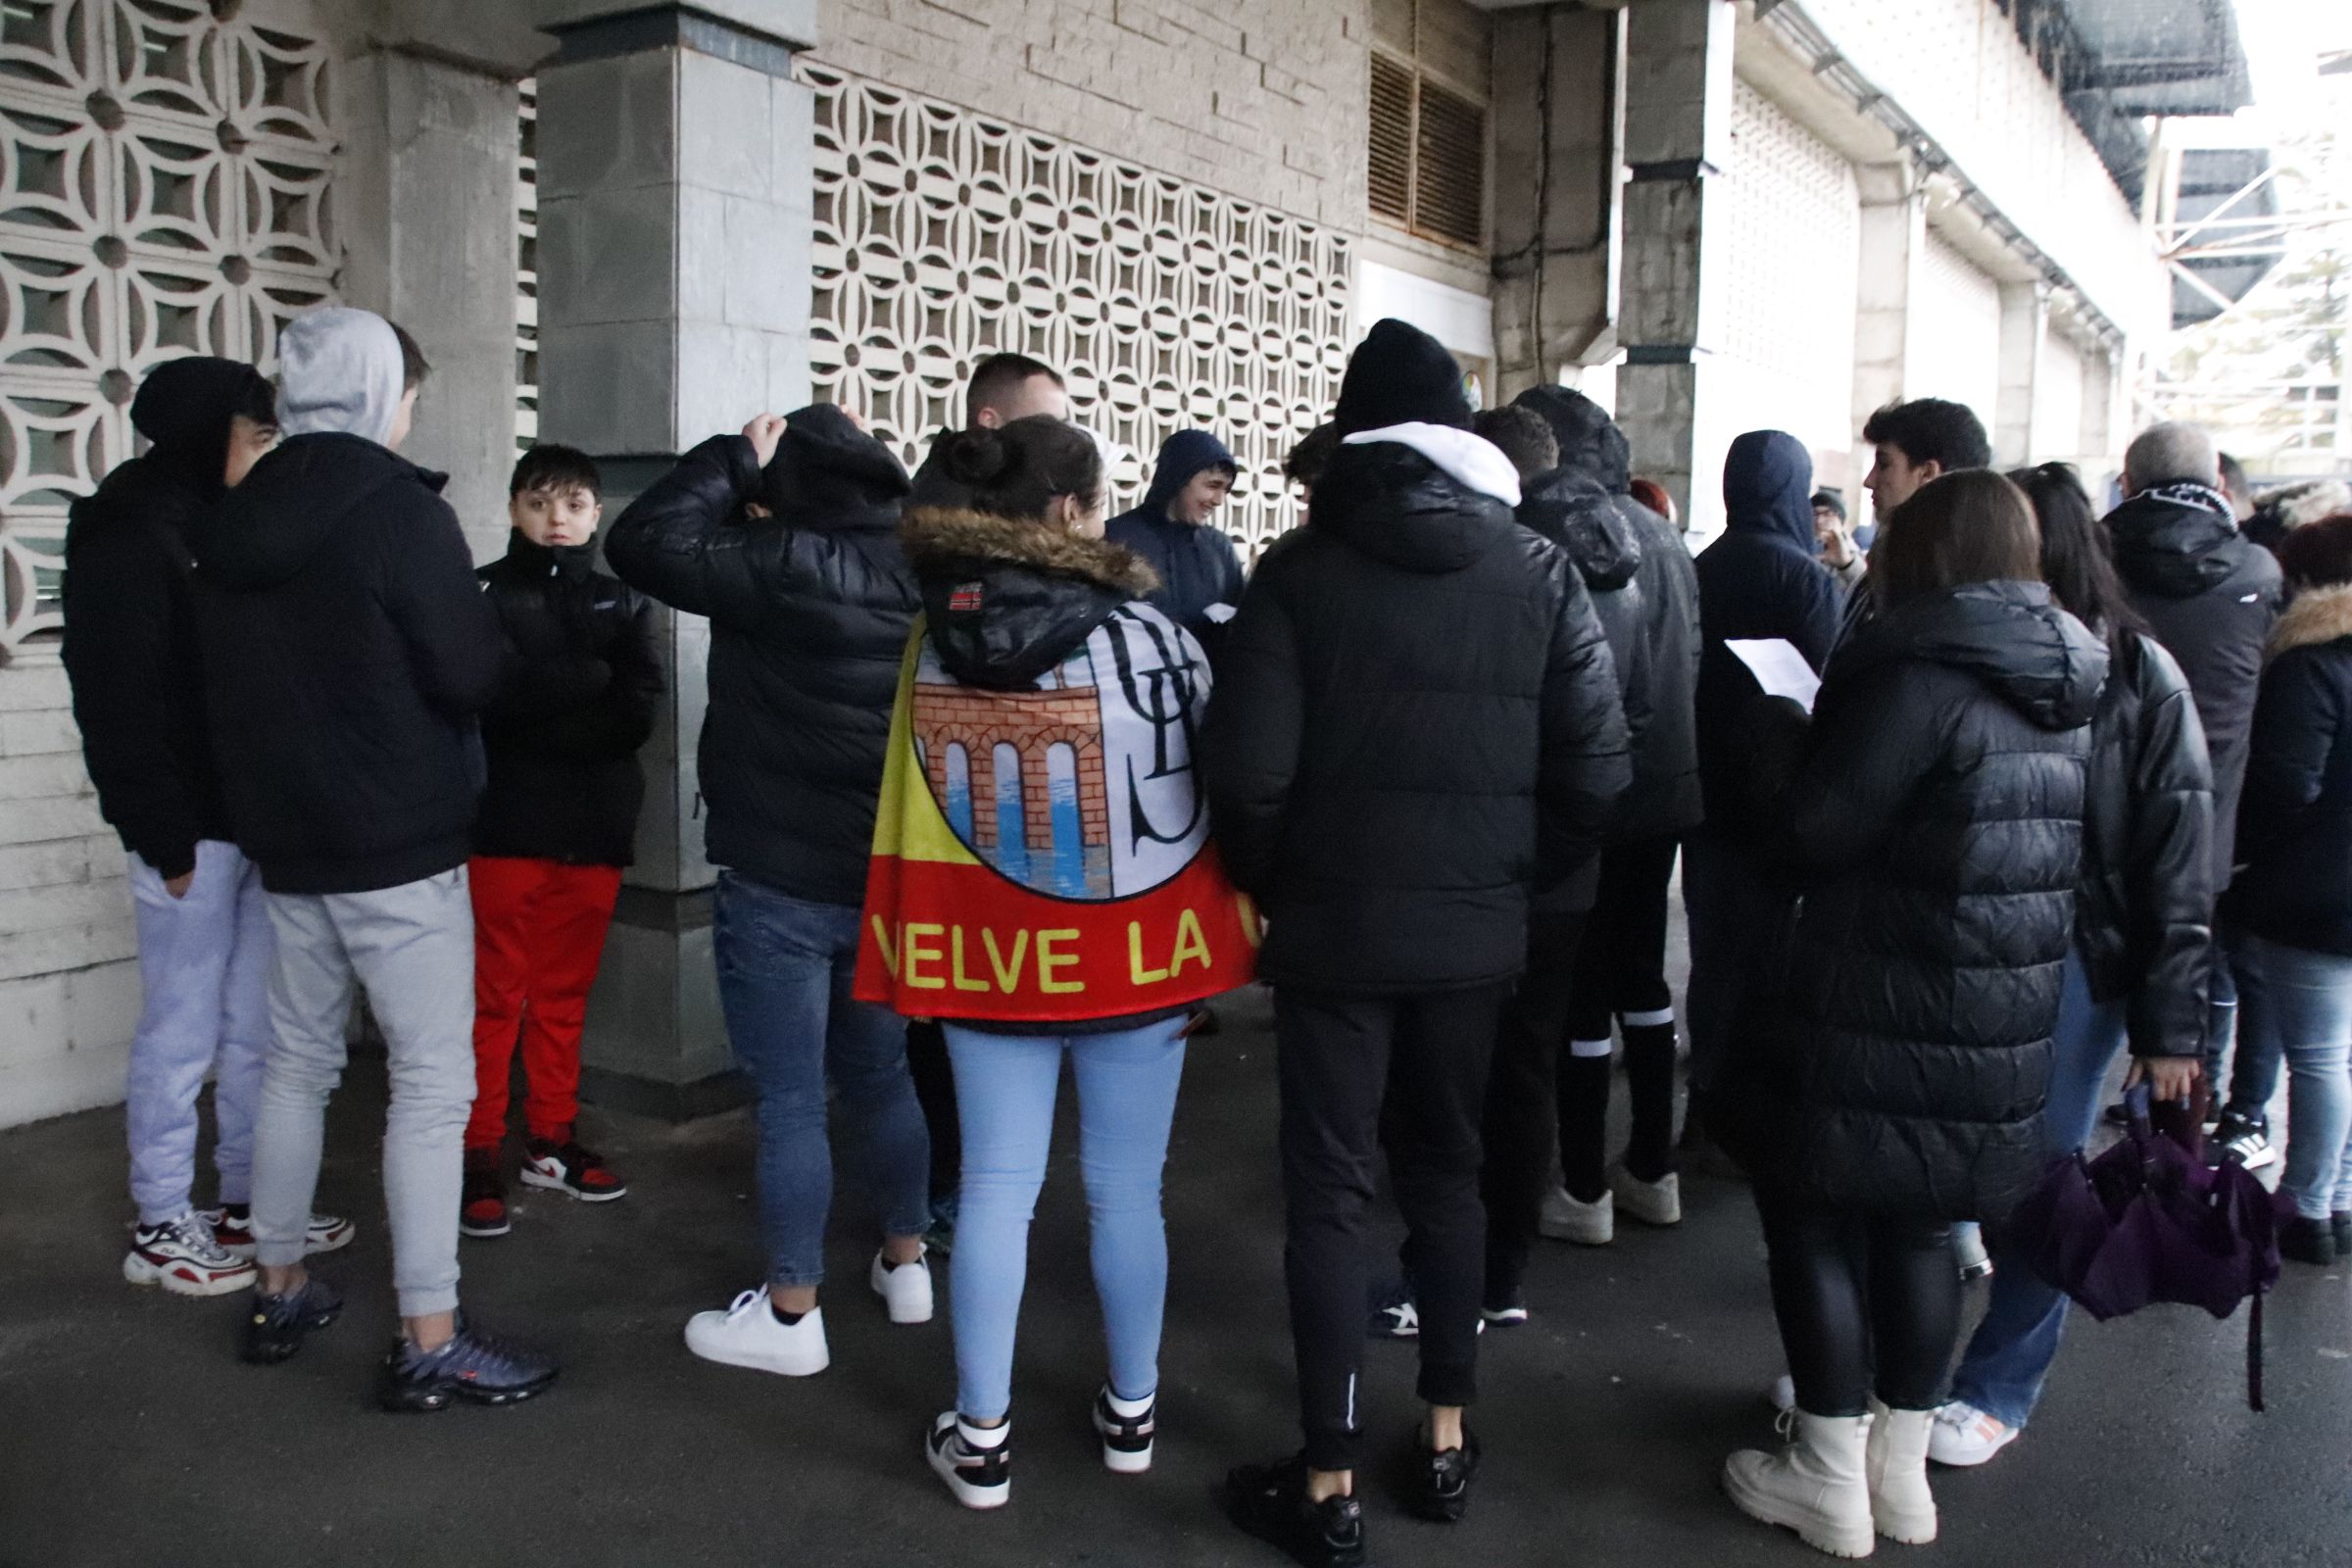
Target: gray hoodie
[{"x": 339, "y": 370}]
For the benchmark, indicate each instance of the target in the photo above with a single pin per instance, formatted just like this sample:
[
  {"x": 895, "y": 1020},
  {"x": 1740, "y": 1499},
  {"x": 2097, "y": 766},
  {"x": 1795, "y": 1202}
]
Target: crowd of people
[{"x": 1966, "y": 805}]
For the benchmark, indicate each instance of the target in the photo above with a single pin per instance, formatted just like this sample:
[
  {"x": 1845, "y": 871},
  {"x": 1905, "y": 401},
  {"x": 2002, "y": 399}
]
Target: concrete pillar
[
  {"x": 2024, "y": 328},
  {"x": 1893, "y": 250},
  {"x": 675, "y": 230},
  {"x": 427, "y": 198},
  {"x": 1677, "y": 106},
  {"x": 1557, "y": 156}
]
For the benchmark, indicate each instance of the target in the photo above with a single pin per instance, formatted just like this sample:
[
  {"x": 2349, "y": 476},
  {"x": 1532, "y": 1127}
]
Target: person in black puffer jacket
[
  {"x": 786, "y": 537},
  {"x": 2210, "y": 594},
  {"x": 1621, "y": 964},
  {"x": 1416, "y": 731},
  {"x": 2137, "y": 971},
  {"x": 1932, "y": 816},
  {"x": 2291, "y": 909},
  {"x": 1174, "y": 531},
  {"x": 137, "y": 674},
  {"x": 577, "y": 698}
]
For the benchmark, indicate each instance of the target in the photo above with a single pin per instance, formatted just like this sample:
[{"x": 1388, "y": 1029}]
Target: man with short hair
[
  {"x": 1918, "y": 441},
  {"x": 2238, "y": 487},
  {"x": 2210, "y": 594},
  {"x": 1841, "y": 546},
  {"x": 1004, "y": 387}
]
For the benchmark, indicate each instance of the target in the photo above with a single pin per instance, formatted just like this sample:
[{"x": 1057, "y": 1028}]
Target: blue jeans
[
  {"x": 785, "y": 968},
  {"x": 2298, "y": 1003},
  {"x": 1004, "y": 1091},
  {"x": 2010, "y": 1353}
]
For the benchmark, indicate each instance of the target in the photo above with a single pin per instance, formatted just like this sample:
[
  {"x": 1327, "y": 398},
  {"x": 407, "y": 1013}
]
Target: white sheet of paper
[
  {"x": 1778, "y": 667},
  {"x": 1220, "y": 613}
]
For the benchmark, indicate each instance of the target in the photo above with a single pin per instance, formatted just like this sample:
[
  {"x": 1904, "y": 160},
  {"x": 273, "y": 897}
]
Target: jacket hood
[
  {"x": 1570, "y": 509},
  {"x": 827, "y": 473},
  {"x": 1591, "y": 443},
  {"x": 1464, "y": 456},
  {"x": 339, "y": 370},
  {"x": 2173, "y": 541},
  {"x": 1007, "y": 600},
  {"x": 2314, "y": 616},
  {"x": 1181, "y": 457},
  {"x": 1397, "y": 506},
  {"x": 1768, "y": 488},
  {"x": 2295, "y": 505},
  {"x": 527, "y": 558},
  {"x": 2010, "y": 636},
  {"x": 268, "y": 528},
  {"x": 184, "y": 409}
]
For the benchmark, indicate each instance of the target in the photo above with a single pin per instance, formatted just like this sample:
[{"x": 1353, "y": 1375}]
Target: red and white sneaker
[
  {"x": 232, "y": 1227},
  {"x": 181, "y": 1256},
  {"x": 565, "y": 1166}
]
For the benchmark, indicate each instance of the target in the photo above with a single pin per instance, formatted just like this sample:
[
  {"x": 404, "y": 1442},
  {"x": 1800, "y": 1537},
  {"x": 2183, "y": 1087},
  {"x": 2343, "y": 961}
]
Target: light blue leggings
[{"x": 1005, "y": 1092}]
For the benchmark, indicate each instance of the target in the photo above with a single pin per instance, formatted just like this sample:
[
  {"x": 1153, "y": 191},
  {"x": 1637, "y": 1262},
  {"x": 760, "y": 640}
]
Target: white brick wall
[{"x": 69, "y": 990}]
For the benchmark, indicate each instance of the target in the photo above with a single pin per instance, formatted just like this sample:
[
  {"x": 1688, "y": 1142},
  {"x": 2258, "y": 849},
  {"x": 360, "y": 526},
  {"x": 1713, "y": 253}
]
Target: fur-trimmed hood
[
  {"x": 1005, "y": 602},
  {"x": 2314, "y": 616},
  {"x": 2295, "y": 505}
]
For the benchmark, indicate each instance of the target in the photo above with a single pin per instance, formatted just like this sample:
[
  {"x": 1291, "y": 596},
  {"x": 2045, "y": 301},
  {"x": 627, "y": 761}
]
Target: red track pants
[{"x": 538, "y": 935}]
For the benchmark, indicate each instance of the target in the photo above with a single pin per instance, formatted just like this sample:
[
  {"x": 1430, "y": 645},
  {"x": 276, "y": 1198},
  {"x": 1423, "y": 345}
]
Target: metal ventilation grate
[
  {"x": 1450, "y": 175},
  {"x": 1391, "y": 141},
  {"x": 1426, "y": 142}
]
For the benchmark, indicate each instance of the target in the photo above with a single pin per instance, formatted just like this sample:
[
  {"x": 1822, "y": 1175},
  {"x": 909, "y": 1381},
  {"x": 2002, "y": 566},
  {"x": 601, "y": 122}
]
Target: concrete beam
[{"x": 2024, "y": 328}]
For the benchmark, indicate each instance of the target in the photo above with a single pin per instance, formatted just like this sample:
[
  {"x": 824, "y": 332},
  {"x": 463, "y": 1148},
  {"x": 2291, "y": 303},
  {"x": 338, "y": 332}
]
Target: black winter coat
[
  {"x": 347, "y": 651},
  {"x": 1933, "y": 823},
  {"x": 130, "y": 651},
  {"x": 2143, "y": 919},
  {"x": 1759, "y": 580},
  {"x": 1665, "y": 795},
  {"x": 576, "y": 696},
  {"x": 2295, "y": 825},
  {"x": 2210, "y": 596},
  {"x": 809, "y": 612},
  {"x": 1415, "y": 725}
]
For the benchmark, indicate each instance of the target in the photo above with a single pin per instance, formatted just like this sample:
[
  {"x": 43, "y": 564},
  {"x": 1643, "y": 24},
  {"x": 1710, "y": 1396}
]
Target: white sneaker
[
  {"x": 181, "y": 1256},
  {"x": 975, "y": 1462},
  {"x": 906, "y": 1288},
  {"x": 1565, "y": 1219},
  {"x": 748, "y": 1333},
  {"x": 1815, "y": 1486},
  {"x": 1894, "y": 1464},
  {"x": 1658, "y": 1203},
  {"x": 1964, "y": 1436},
  {"x": 1127, "y": 1433},
  {"x": 232, "y": 1228}
]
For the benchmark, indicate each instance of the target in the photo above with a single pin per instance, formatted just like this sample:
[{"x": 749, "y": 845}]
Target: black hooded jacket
[
  {"x": 2144, "y": 916},
  {"x": 2296, "y": 823},
  {"x": 1665, "y": 795},
  {"x": 809, "y": 615},
  {"x": 2211, "y": 597},
  {"x": 1932, "y": 820},
  {"x": 577, "y": 693},
  {"x": 130, "y": 645},
  {"x": 347, "y": 652},
  {"x": 1194, "y": 562},
  {"x": 1759, "y": 580},
  {"x": 1416, "y": 724}
]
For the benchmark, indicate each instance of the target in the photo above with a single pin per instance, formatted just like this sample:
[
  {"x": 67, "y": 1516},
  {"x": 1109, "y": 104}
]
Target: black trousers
[
  {"x": 935, "y": 1091},
  {"x": 1867, "y": 1304},
  {"x": 1522, "y": 1107},
  {"x": 1339, "y": 1059},
  {"x": 1621, "y": 964}
]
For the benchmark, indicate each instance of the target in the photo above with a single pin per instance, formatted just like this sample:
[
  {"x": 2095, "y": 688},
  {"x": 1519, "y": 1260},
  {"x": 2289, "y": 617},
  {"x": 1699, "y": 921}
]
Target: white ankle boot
[
  {"x": 1814, "y": 1487},
  {"x": 1896, "y": 1462}
]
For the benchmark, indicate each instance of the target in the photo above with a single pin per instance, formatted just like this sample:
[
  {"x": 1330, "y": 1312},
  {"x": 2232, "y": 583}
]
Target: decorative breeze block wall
[{"x": 942, "y": 236}]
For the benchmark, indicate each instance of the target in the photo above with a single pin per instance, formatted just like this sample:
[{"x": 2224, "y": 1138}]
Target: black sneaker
[
  {"x": 471, "y": 1364},
  {"x": 2244, "y": 1139},
  {"x": 482, "y": 1202},
  {"x": 568, "y": 1166},
  {"x": 278, "y": 1324},
  {"x": 1438, "y": 1487},
  {"x": 2340, "y": 1224},
  {"x": 1393, "y": 1314},
  {"x": 1269, "y": 1501},
  {"x": 1126, "y": 1438},
  {"x": 976, "y": 1475},
  {"x": 2308, "y": 1241},
  {"x": 1507, "y": 1312}
]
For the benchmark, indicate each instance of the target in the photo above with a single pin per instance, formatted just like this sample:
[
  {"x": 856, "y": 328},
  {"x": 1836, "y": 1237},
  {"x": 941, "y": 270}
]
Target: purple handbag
[{"x": 2149, "y": 1221}]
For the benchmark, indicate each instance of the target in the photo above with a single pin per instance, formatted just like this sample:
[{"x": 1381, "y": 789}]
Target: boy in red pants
[{"x": 576, "y": 698}]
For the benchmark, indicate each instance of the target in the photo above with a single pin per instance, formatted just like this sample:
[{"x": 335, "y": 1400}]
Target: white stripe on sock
[
  {"x": 1647, "y": 1020},
  {"x": 1588, "y": 1047}
]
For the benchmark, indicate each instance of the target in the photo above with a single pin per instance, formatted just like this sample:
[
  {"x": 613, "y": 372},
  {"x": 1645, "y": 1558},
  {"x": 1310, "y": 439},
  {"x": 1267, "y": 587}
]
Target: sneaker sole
[
  {"x": 1508, "y": 1318},
  {"x": 1243, "y": 1516},
  {"x": 556, "y": 1184},
  {"x": 978, "y": 1498},
  {"x": 485, "y": 1231},
  {"x": 1561, "y": 1232},
  {"x": 141, "y": 1271},
  {"x": 750, "y": 1364},
  {"x": 1860, "y": 1543},
  {"x": 1122, "y": 1461},
  {"x": 903, "y": 1318},
  {"x": 408, "y": 1400}
]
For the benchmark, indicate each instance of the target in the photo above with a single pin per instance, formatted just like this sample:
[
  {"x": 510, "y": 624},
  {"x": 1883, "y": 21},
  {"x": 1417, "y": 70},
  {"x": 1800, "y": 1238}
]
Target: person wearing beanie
[
  {"x": 577, "y": 698},
  {"x": 347, "y": 653},
  {"x": 1841, "y": 544},
  {"x": 1415, "y": 734},
  {"x": 137, "y": 672},
  {"x": 786, "y": 537},
  {"x": 1198, "y": 568}
]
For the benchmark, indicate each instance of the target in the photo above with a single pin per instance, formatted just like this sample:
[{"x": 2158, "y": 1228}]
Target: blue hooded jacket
[
  {"x": 1760, "y": 579},
  {"x": 1196, "y": 563}
]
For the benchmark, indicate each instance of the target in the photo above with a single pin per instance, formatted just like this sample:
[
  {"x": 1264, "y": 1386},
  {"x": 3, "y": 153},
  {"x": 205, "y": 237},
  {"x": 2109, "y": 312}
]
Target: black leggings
[{"x": 1866, "y": 1302}]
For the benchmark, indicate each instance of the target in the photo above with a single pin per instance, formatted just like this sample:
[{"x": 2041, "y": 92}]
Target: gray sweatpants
[{"x": 412, "y": 947}]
